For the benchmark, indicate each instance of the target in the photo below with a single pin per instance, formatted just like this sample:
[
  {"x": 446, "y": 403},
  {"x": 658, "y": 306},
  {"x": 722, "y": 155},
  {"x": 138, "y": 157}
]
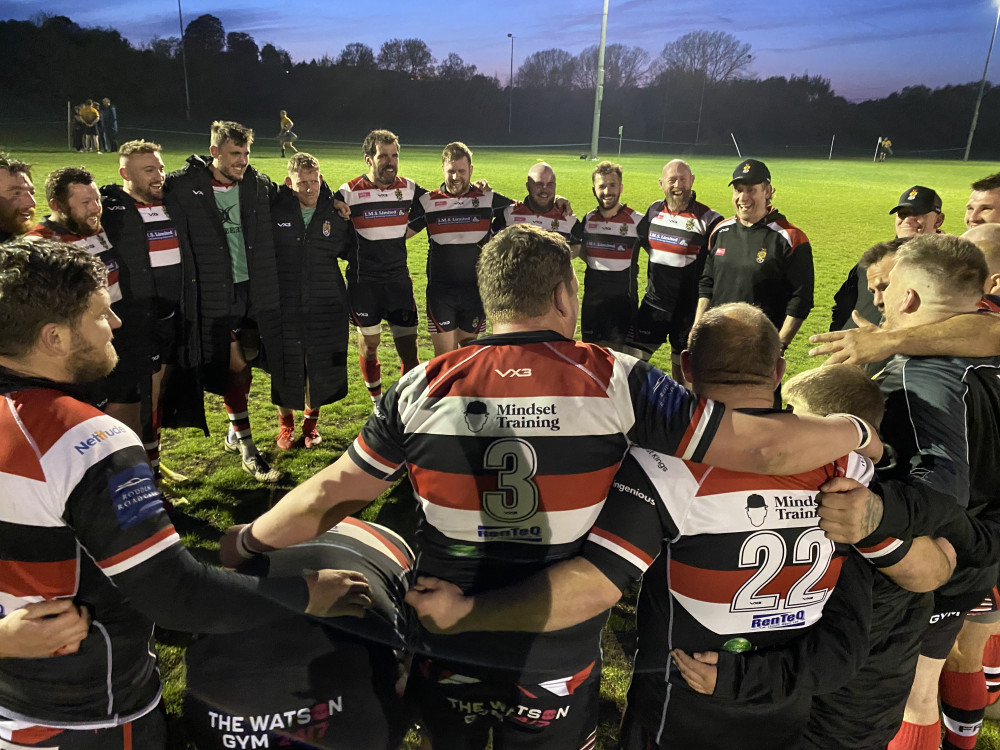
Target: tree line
[{"x": 689, "y": 97}]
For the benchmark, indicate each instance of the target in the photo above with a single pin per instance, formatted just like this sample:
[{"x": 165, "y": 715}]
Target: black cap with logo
[
  {"x": 751, "y": 172},
  {"x": 919, "y": 200}
]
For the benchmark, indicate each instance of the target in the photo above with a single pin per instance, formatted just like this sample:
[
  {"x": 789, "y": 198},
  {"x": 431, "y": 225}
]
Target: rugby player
[
  {"x": 517, "y": 484},
  {"x": 378, "y": 280},
  {"x": 611, "y": 237},
  {"x": 17, "y": 197},
  {"x": 542, "y": 207},
  {"x": 677, "y": 243},
  {"x": 459, "y": 218},
  {"x": 984, "y": 202},
  {"x": 84, "y": 523}
]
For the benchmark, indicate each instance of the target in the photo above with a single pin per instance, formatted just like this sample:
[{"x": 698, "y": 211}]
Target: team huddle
[{"x": 819, "y": 576}]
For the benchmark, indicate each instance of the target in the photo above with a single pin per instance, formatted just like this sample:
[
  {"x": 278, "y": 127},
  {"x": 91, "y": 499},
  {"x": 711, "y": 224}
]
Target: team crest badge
[
  {"x": 555, "y": 225},
  {"x": 912, "y": 195},
  {"x": 761, "y": 254},
  {"x": 623, "y": 230},
  {"x": 475, "y": 202},
  {"x": 689, "y": 225},
  {"x": 399, "y": 194},
  {"x": 326, "y": 228},
  {"x": 746, "y": 168}
]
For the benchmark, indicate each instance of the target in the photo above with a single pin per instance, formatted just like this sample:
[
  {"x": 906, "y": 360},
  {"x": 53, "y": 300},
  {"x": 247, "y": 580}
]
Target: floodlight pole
[
  {"x": 599, "y": 93},
  {"x": 510, "y": 104},
  {"x": 187, "y": 94},
  {"x": 982, "y": 86}
]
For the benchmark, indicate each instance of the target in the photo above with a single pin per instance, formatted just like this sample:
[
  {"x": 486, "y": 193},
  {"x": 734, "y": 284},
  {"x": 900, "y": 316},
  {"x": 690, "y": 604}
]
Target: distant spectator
[
  {"x": 109, "y": 125},
  {"x": 286, "y": 137},
  {"x": 884, "y": 149},
  {"x": 90, "y": 117},
  {"x": 76, "y": 128}
]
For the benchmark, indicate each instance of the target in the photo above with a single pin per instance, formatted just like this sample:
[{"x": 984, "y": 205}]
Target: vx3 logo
[{"x": 512, "y": 373}]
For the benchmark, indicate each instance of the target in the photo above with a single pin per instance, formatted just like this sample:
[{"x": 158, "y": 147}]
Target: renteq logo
[{"x": 99, "y": 437}]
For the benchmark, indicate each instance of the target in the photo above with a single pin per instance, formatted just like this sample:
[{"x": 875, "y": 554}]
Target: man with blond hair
[
  {"x": 310, "y": 238},
  {"x": 145, "y": 239},
  {"x": 459, "y": 217},
  {"x": 221, "y": 206}
]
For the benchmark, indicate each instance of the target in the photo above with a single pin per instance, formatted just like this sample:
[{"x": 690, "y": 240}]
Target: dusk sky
[{"x": 866, "y": 53}]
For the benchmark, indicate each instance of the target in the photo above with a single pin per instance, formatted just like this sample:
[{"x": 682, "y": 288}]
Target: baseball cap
[
  {"x": 751, "y": 172},
  {"x": 919, "y": 200}
]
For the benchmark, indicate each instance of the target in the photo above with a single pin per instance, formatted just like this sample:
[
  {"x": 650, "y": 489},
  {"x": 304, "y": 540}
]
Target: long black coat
[
  {"x": 207, "y": 268},
  {"x": 314, "y": 307}
]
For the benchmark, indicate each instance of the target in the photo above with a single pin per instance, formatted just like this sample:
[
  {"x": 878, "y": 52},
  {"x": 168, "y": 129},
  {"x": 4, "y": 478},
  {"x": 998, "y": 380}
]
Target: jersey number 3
[
  {"x": 766, "y": 551},
  {"x": 516, "y": 496}
]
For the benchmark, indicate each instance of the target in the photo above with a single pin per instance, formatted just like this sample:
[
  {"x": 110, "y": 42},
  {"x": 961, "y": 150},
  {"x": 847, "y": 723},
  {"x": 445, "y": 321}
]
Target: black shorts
[
  {"x": 941, "y": 633},
  {"x": 866, "y": 713},
  {"x": 148, "y": 732},
  {"x": 241, "y": 314},
  {"x": 607, "y": 317},
  {"x": 667, "y": 313},
  {"x": 165, "y": 336},
  {"x": 458, "y": 711},
  {"x": 451, "y": 307},
  {"x": 371, "y": 303}
]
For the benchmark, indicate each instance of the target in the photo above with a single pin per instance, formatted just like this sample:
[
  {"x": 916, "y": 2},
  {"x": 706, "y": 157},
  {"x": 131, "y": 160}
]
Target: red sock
[
  {"x": 963, "y": 701},
  {"x": 917, "y": 737},
  {"x": 310, "y": 418},
  {"x": 152, "y": 443},
  {"x": 991, "y": 666},
  {"x": 287, "y": 420},
  {"x": 371, "y": 373}
]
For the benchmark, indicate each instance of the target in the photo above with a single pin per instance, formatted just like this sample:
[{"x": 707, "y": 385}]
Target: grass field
[{"x": 841, "y": 205}]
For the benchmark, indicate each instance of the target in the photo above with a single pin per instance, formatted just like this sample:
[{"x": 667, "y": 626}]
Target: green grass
[{"x": 842, "y": 205}]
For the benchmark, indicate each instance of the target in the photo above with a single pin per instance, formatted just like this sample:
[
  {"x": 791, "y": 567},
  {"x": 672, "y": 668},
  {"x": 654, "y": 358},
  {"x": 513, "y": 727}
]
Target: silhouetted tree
[
  {"x": 454, "y": 69},
  {"x": 164, "y": 46},
  {"x": 411, "y": 56},
  {"x": 241, "y": 47},
  {"x": 357, "y": 55},
  {"x": 717, "y": 55},
  {"x": 625, "y": 67},
  {"x": 204, "y": 37},
  {"x": 275, "y": 57},
  {"x": 547, "y": 68}
]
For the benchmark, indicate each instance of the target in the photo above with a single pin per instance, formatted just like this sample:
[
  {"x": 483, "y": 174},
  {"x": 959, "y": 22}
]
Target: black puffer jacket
[
  {"x": 314, "y": 308},
  {"x": 205, "y": 255}
]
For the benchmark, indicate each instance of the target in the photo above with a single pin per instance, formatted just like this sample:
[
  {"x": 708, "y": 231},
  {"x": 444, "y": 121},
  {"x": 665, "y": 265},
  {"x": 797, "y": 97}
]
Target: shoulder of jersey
[
  {"x": 795, "y": 235},
  {"x": 47, "y": 413}
]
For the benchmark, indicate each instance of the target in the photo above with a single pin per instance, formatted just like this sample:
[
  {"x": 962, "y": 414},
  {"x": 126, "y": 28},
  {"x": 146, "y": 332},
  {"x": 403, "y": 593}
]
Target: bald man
[
  {"x": 543, "y": 208},
  {"x": 677, "y": 240}
]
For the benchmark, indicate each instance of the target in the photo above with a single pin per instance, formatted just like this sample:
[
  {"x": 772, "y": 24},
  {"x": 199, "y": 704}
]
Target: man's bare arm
[
  {"x": 562, "y": 595},
  {"x": 925, "y": 567},
  {"x": 785, "y": 443},
  {"x": 967, "y": 335},
  {"x": 789, "y": 328}
]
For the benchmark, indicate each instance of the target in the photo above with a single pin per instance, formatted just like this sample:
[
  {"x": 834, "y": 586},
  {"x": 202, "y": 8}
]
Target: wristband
[
  {"x": 242, "y": 549},
  {"x": 864, "y": 433}
]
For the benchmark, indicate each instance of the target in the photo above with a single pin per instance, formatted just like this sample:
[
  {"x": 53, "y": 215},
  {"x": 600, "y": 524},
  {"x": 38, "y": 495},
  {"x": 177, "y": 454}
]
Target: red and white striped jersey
[
  {"x": 380, "y": 217},
  {"x": 677, "y": 238},
  {"x": 511, "y": 444},
  {"x": 553, "y": 220},
  {"x": 611, "y": 247},
  {"x": 457, "y": 229},
  {"x": 97, "y": 244},
  {"x": 722, "y": 554}
]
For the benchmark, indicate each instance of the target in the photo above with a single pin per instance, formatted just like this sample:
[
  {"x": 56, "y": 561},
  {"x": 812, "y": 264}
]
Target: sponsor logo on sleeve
[{"x": 134, "y": 495}]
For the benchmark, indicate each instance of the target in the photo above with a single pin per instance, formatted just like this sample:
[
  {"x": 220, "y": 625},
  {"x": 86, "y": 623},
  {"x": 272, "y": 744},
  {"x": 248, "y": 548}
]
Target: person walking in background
[
  {"x": 286, "y": 137},
  {"x": 109, "y": 125}
]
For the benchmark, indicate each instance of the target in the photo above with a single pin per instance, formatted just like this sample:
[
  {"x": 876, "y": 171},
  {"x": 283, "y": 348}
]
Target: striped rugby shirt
[
  {"x": 553, "y": 220},
  {"x": 457, "y": 229},
  {"x": 612, "y": 251},
  {"x": 511, "y": 444},
  {"x": 164, "y": 251},
  {"x": 380, "y": 218},
  {"x": 97, "y": 244}
]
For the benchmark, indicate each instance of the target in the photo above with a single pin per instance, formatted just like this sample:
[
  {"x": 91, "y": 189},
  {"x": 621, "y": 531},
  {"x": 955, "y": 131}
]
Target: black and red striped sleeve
[
  {"x": 378, "y": 448},
  {"x": 630, "y": 530}
]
